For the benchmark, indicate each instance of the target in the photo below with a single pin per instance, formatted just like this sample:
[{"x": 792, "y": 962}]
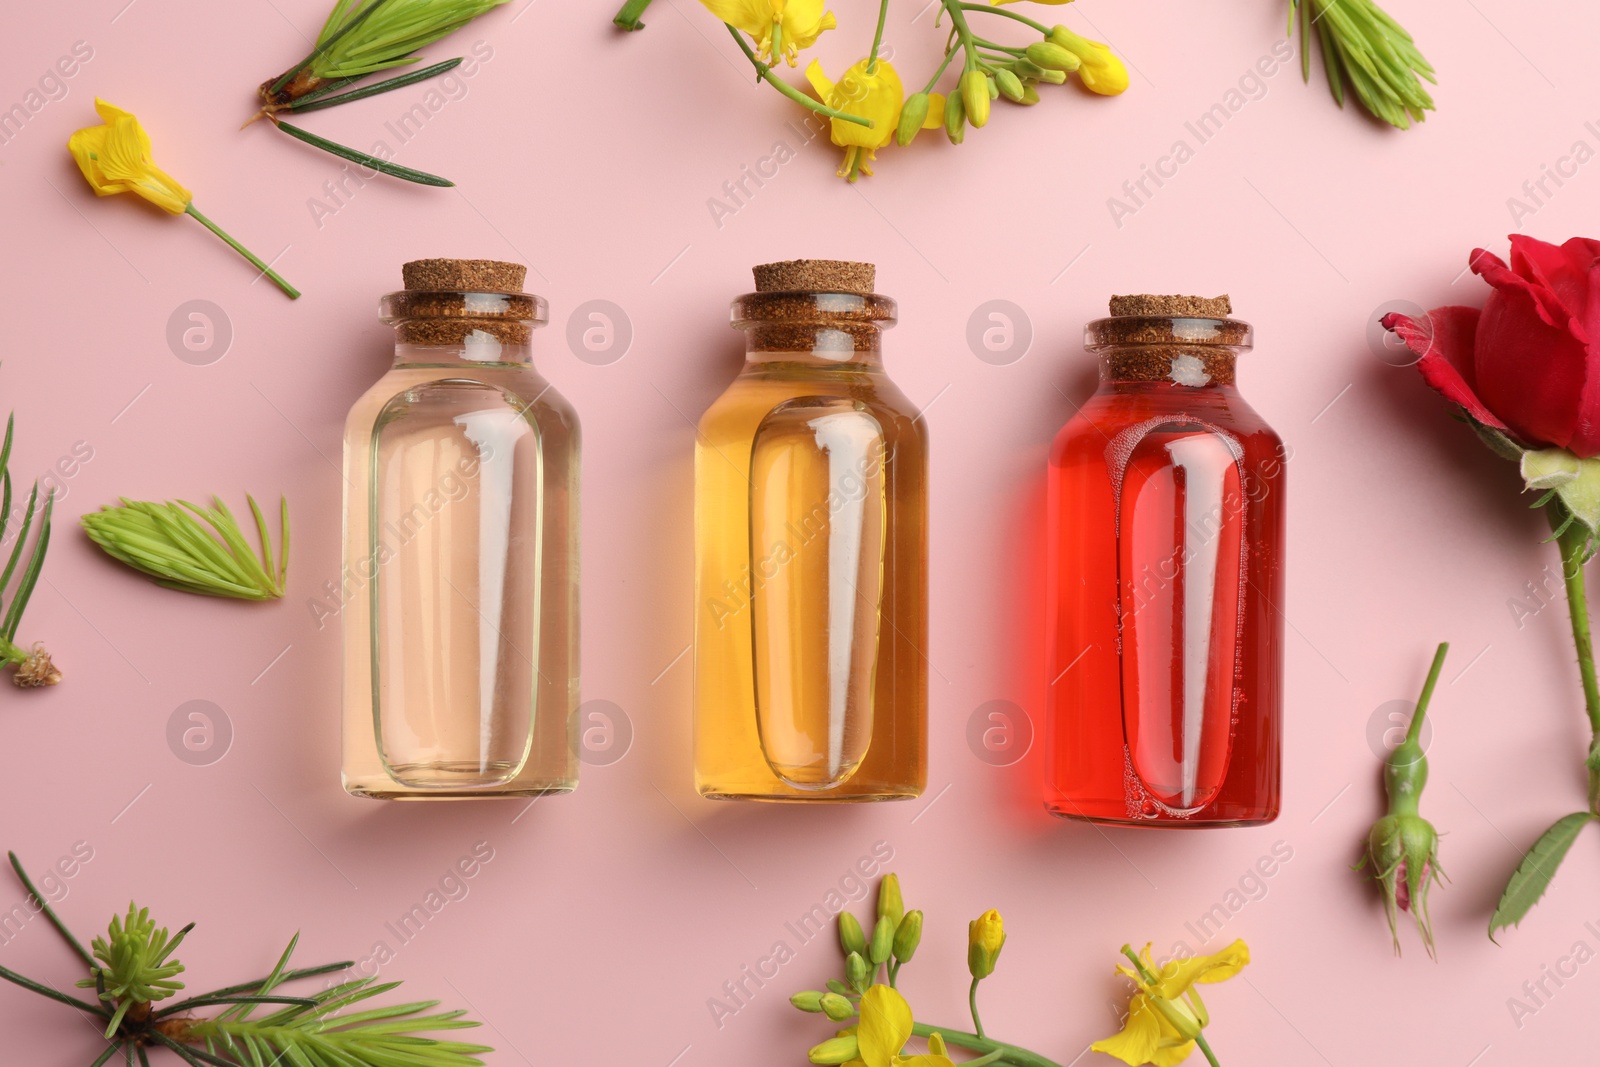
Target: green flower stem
[
  {"x": 1011, "y": 1054},
  {"x": 948, "y": 56},
  {"x": 972, "y": 1004},
  {"x": 958, "y": 20},
  {"x": 50, "y": 913},
  {"x": 1041, "y": 27},
  {"x": 790, "y": 91},
  {"x": 1205, "y": 1049},
  {"x": 630, "y": 14},
  {"x": 1414, "y": 731},
  {"x": 877, "y": 38},
  {"x": 243, "y": 251},
  {"x": 1573, "y": 539}
]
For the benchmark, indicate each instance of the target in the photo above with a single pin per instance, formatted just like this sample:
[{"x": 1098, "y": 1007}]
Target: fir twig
[
  {"x": 1364, "y": 48},
  {"x": 394, "y": 170},
  {"x": 34, "y": 667},
  {"x": 133, "y": 966},
  {"x": 318, "y": 100},
  {"x": 165, "y": 541},
  {"x": 361, "y": 37}
]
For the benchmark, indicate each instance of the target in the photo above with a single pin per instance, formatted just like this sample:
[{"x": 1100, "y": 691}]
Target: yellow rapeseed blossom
[
  {"x": 876, "y": 95},
  {"x": 779, "y": 28}
]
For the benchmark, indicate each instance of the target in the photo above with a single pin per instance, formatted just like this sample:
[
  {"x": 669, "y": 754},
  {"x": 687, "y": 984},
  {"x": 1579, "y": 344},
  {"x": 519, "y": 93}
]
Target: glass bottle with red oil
[{"x": 1164, "y": 628}]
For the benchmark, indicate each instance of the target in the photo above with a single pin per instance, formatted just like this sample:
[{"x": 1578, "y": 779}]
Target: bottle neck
[
  {"x": 813, "y": 345},
  {"x": 1191, "y": 367},
  {"x": 471, "y": 352},
  {"x": 817, "y": 330}
]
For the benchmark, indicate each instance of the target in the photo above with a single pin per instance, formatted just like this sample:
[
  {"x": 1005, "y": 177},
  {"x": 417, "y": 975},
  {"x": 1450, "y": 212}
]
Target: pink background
[{"x": 606, "y": 920}]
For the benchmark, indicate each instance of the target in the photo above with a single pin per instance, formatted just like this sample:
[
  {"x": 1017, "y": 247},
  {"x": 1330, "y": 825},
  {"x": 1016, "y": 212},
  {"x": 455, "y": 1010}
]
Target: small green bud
[
  {"x": 955, "y": 119},
  {"x": 1054, "y": 77},
  {"x": 851, "y": 939},
  {"x": 912, "y": 116},
  {"x": 836, "y": 986},
  {"x": 835, "y": 1050},
  {"x": 1009, "y": 85},
  {"x": 908, "y": 936},
  {"x": 858, "y": 972},
  {"x": 1052, "y": 56},
  {"x": 890, "y": 906},
  {"x": 975, "y": 97},
  {"x": 882, "y": 942},
  {"x": 1026, "y": 70},
  {"x": 1030, "y": 95},
  {"x": 838, "y": 1008},
  {"x": 807, "y": 1000}
]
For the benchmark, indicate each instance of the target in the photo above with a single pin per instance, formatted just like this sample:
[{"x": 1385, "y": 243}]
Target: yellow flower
[
  {"x": 877, "y": 96},
  {"x": 1101, "y": 71},
  {"x": 1166, "y": 1015},
  {"x": 115, "y": 158},
  {"x": 985, "y": 936},
  {"x": 778, "y": 27},
  {"x": 883, "y": 1031}
]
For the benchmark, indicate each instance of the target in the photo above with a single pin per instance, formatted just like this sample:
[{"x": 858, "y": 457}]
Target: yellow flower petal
[
  {"x": 885, "y": 1026},
  {"x": 821, "y": 84},
  {"x": 115, "y": 158},
  {"x": 1176, "y": 977},
  {"x": 1140, "y": 1036}
]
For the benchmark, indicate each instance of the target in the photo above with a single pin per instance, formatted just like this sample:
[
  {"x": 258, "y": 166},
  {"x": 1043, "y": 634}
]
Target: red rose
[{"x": 1527, "y": 363}]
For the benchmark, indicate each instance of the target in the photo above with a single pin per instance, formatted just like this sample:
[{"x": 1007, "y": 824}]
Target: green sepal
[{"x": 1575, "y": 481}]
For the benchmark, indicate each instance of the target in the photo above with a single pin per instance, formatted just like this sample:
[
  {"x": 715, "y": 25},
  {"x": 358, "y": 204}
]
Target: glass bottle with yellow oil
[
  {"x": 459, "y": 595},
  {"x": 811, "y": 574}
]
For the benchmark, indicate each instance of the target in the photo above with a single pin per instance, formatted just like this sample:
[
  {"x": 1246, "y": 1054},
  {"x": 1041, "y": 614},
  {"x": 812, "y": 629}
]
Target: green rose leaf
[
  {"x": 1576, "y": 481},
  {"x": 1532, "y": 876}
]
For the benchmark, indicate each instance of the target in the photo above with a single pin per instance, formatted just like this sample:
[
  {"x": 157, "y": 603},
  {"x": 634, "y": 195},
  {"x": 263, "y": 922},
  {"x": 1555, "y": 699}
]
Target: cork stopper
[
  {"x": 463, "y": 302},
  {"x": 816, "y": 276},
  {"x": 463, "y": 276},
  {"x": 1185, "y": 340},
  {"x": 1191, "y": 307}
]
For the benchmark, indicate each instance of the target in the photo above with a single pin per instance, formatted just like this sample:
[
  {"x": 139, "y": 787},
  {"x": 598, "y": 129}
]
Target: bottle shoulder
[{"x": 753, "y": 394}]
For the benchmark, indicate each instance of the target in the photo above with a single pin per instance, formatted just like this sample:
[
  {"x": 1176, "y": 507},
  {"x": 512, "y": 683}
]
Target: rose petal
[
  {"x": 1532, "y": 373},
  {"x": 1492, "y": 269},
  {"x": 1444, "y": 340},
  {"x": 1563, "y": 269}
]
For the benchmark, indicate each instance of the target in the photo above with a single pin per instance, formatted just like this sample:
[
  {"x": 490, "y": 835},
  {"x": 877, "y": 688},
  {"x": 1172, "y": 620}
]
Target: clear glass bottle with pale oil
[
  {"x": 811, "y": 553},
  {"x": 460, "y": 580}
]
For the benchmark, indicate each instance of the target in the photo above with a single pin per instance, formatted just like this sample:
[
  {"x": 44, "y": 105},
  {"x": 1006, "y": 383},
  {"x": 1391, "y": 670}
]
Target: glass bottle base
[
  {"x": 1221, "y": 817},
  {"x": 712, "y": 793},
  {"x": 386, "y": 788}
]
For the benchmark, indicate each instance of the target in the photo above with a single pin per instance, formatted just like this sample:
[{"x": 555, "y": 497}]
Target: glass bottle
[
  {"x": 811, "y": 553},
  {"x": 1164, "y": 583},
  {"x": 460, "y": 585}
]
